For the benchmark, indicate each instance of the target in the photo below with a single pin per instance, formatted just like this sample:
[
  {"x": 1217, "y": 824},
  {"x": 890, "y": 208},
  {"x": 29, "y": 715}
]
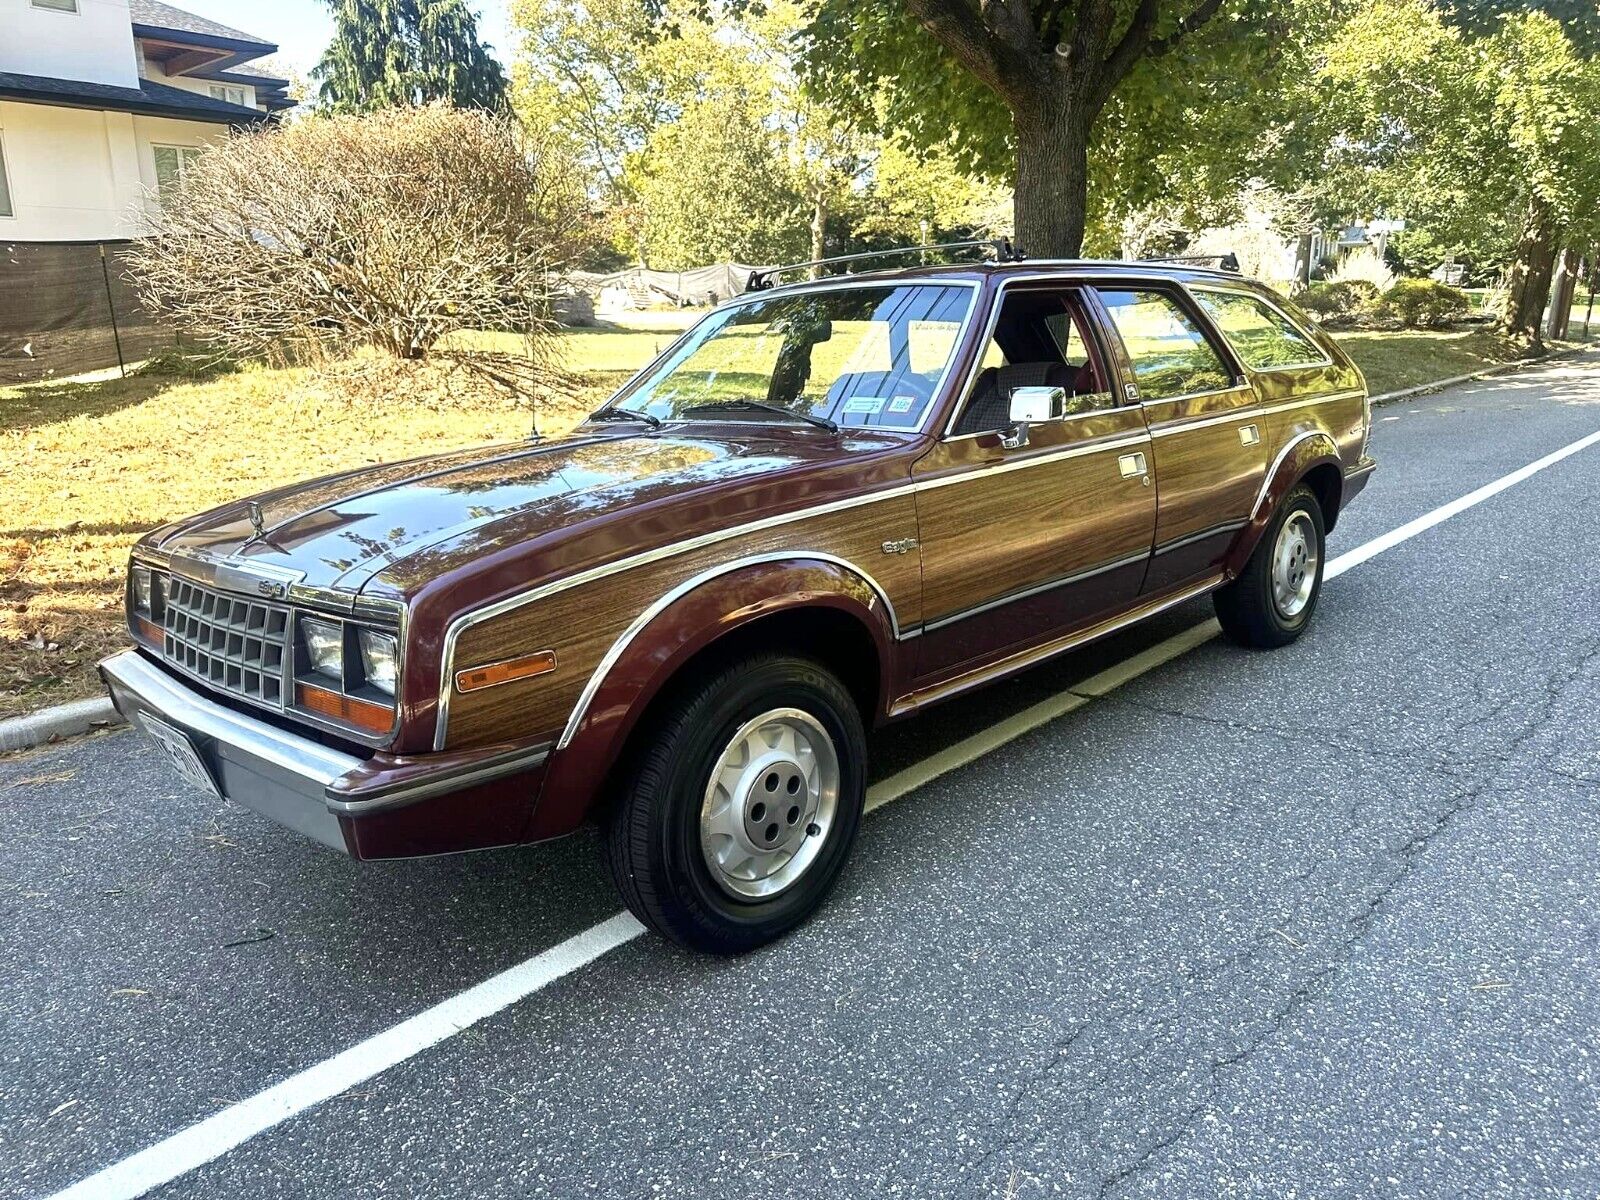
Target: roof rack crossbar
[
  {"x": 1003, "y": 250},
  {"x": 1225, "y": 262}
]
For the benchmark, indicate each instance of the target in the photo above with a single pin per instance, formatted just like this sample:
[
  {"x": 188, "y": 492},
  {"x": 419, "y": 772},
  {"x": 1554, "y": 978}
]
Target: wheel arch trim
[
  {"x": 661, "y": 604},
  {"x": 1274, "y": 471}
]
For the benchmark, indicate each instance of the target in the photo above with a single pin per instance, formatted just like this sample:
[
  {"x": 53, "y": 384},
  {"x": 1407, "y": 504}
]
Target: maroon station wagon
[{"x": 827, "y": 505}]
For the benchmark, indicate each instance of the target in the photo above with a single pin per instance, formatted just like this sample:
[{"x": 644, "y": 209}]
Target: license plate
[{"x": 180, "y": 752}]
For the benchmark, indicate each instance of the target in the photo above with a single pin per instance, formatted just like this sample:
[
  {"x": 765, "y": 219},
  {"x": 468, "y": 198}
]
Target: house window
[
  {"x": 173, "y": 163},
  {"x": 5, "y": 186},
  {"x": 66, "y": 6},
  {"x": 228, "y": 95}
]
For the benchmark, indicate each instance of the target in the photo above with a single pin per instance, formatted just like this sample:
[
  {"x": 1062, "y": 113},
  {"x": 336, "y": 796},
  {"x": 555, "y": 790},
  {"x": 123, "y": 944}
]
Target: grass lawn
[
  {"x": 90, "y": 465},
  {"x": 1406, "y": 358}
]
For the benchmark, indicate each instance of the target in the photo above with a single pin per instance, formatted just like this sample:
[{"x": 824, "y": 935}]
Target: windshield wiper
[
  {"x": 617, "y": 413},
  {"x": 763, "y": 406}
]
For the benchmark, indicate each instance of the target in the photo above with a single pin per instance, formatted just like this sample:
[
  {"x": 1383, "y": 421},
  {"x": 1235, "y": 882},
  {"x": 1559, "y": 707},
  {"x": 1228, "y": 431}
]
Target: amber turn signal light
[
  {"x": 147, "y": 629},
  {"x": 378, "y": 718},
  {"x": 474, "y": 679}
]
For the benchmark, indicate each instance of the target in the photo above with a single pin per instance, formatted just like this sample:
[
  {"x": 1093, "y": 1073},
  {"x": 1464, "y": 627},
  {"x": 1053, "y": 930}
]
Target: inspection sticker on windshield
[
  {"x": 902, "y": 404},
  {"x": 864, "y": 404}
]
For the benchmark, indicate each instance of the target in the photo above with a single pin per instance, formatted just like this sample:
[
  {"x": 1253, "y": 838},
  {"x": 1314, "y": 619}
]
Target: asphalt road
[{"x": 1318, "y": 922}]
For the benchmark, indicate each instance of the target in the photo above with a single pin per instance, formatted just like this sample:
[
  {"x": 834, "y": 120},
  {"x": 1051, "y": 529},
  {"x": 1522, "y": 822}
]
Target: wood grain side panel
[
  {"x": 581, "y": 623},
  {"x": 1002, "y": 533},
  {"x": 1207, "y": 478}
]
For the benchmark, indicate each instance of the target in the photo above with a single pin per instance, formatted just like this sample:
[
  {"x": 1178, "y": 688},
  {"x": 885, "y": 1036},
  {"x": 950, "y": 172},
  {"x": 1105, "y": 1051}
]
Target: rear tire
[
  {"x": 1271, "y": 602},
  {"x": 742, "y": 806}
]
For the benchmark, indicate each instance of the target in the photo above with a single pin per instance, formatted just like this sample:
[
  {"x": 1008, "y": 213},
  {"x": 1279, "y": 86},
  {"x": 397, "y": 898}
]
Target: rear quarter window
[{"x": 1264, "y": 338}]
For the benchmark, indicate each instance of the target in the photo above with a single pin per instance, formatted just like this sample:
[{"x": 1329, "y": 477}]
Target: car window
[
  {"x": 862, "y": 356},
  {"x": 1169, "y": 353},
  {"x": 1262, "y": 336},
  {"x": 1037, "y": 342}
]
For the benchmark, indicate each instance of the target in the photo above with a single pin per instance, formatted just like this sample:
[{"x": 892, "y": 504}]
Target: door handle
[
  {"x": 1131, "y": 464},
  {"x": 1249, "y": 435}
]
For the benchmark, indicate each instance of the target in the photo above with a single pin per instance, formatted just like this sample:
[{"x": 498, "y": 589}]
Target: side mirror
[{"x": 1027, "y": 405}]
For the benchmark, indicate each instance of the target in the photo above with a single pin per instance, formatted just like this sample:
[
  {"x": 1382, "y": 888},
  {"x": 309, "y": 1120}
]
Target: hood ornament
[{"x": 258, "y": 522}]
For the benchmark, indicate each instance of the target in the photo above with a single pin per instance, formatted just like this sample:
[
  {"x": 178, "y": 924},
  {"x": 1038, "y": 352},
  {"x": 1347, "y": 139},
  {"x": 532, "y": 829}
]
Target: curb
[
  {"x": 82, "y": 716},
  {"x": 1439, "y": 385},
  {"x": 61, "y": 721}
]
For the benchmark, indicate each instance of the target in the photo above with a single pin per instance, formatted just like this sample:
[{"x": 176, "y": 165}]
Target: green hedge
[{"x": 1422, "y": 304}]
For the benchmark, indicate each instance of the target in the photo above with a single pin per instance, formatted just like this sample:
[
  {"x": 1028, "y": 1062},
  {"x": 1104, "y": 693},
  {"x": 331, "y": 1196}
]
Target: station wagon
[{"x": 830, "y": 504}]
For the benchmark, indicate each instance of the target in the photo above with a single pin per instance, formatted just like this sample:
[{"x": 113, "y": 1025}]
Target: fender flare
[
  {"x": 1304, "y": 453},
  {"x": 681, "y": 623}
]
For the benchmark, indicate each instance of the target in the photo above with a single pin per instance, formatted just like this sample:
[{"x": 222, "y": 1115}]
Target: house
[{"x": 103, "y": 103}]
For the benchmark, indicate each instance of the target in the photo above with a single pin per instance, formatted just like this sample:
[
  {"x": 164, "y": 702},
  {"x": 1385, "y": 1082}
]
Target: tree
[
  {"x": 1483, "y": 141},
  {"x": 1040, "y": 73},
  {"x": 389, "y": 231},
  {"x": 394, "y": 53},
  {"x": 712, "y": 186}
]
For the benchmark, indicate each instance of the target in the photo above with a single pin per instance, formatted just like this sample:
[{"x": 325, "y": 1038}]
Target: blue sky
[{"x": 302, "y": 27}]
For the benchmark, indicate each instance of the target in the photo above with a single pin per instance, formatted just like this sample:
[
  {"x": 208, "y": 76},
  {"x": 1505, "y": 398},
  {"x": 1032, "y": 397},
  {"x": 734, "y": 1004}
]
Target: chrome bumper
[{"x": 277, "y": 774}]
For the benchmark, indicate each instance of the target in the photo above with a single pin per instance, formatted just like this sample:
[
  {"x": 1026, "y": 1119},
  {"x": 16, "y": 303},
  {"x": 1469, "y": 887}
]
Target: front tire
[
  {"x": 1271, "y": 602},
  {"x": 742, "y": 806}
]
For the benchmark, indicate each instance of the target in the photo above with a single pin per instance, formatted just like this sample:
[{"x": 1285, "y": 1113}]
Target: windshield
[{"x": 860, "y": 356}]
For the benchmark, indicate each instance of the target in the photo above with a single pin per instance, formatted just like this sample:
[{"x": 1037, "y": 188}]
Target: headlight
[
  {"x": 143, "y": 591},
  {"x": 324, "y": 645},
  {"x": 377, "y": 659}
]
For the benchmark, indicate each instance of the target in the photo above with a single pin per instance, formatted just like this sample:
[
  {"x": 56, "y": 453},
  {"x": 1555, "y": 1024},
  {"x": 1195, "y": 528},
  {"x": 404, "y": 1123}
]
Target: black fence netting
[{"x": 69, "y": 307}]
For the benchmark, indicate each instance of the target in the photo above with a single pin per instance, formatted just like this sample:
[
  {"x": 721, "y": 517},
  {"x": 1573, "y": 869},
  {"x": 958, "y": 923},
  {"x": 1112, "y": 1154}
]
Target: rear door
[{"x": 1205, "y": 427}]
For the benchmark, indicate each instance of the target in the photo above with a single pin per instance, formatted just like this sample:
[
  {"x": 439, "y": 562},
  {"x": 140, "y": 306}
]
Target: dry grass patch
[{"x": 92, "y": 466}]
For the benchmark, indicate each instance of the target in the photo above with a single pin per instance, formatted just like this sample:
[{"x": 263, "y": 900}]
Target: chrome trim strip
[
  {"x": 1272, "y": 471},
  {"x": 1037, "y": 654},
  {"x": 1113, "y": 443},
  {"x": 620, "y": 646},
  {"x": 400, "y": 795},
  {"x": 1036, "y": 589},
  {"x": 296, "y": 755},
  {"x": 1175, "y": 425},
  {"x": 1323, "y": 398},
  {"x": 1061, "y": 420}
]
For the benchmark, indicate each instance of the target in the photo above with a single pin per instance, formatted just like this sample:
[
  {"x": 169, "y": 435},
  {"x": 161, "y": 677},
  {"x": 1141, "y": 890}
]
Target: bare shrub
[{"x": 391, "y": 230}]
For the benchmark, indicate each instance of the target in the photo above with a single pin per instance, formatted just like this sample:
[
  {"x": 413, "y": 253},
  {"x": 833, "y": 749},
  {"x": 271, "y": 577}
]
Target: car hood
[{"x": 339, "y": 531}]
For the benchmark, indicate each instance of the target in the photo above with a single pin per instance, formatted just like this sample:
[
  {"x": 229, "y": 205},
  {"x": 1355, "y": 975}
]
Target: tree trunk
[
  {"x": 1052, "y": 185},
  {"x": 819, "y": 228},
  {"x": 1528, "y": 287}
]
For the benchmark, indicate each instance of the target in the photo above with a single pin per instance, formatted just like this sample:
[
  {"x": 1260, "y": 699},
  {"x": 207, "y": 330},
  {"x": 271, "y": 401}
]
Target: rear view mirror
[
  {"x": 1037, "y": 404},
  {"x": 1027, "y": 405}
]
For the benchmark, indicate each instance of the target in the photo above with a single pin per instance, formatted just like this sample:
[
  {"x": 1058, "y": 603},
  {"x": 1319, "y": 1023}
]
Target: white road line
[
  {"x": 1387, "y": 541},
  {"x": 213, "y": 1137}
]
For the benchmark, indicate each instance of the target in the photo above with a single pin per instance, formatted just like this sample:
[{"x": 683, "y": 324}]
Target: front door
[
  {"x": 1206, "y": 430},
  {"x": 1024, "y": 543}
]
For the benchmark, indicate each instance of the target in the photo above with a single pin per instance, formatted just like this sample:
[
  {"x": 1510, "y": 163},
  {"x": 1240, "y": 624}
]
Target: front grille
[{"x": 227, "y": 641}]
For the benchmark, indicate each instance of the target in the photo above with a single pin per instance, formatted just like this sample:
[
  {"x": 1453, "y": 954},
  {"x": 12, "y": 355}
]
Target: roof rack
[
  {"x": 1003, "y": 250},
  {"x": 1225, "y": 262}
]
